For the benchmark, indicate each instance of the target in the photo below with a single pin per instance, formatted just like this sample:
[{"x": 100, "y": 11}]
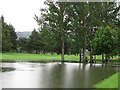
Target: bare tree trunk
[
  {"x": 44, "y": 53},
  {"x": 95, "y": 57},
  {"x": 107, "y": 57},
  {"x": 102, "y": 57},
  {"x": 36, "y": 52},
  {"x": 62, "y": 55},
  {"x": 80, "y": 56},
  {"x": 51, "y": 53},
  {"x": 84, "y": 55},
  {"x": 91, "y": 56},
  {"x": 84, "y": 36}
]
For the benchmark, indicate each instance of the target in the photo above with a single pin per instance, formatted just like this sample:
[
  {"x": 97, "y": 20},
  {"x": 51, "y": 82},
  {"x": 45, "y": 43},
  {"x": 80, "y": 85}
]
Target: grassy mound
[{"x": 111, "y": 82}]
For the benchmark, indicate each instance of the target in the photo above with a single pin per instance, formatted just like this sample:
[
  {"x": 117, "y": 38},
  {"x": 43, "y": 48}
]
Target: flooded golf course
[{"x": 53, "y": 75}]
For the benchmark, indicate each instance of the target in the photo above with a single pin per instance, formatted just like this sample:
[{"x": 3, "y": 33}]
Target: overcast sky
[{"x": 20, "y": 13}]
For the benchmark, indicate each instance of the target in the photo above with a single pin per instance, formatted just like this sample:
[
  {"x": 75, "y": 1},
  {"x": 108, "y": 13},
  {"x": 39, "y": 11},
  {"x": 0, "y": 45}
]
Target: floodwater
[{"x": 53, "y": 75}]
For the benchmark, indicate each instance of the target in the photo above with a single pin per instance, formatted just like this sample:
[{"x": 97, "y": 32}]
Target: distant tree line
[{"x": 71, "y": 28}]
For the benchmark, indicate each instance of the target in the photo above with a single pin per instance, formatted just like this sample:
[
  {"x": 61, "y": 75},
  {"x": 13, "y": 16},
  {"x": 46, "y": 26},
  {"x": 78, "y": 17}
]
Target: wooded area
[{"x": 70, "y": 28}]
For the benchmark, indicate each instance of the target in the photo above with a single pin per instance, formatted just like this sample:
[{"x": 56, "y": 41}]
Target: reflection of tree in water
[
  {"x": 56, "y": 76},
  {"x": 67, "y": 75},
  {"x": 94, "y": 73},
  {"x": 6, "y": 69},
  {"x": 50, "y": 76}
]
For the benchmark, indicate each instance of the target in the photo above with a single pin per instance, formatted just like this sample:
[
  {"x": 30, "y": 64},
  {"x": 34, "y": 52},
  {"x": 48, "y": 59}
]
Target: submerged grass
[{"x": 111, "y": 82}]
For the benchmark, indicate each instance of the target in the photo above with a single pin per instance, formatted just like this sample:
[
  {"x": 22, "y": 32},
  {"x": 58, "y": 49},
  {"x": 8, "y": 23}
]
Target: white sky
[{"x": 20, "y": 13}]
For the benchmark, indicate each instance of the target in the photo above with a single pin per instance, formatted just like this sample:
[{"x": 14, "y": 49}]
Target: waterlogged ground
[{"x": 53, "y": 75}]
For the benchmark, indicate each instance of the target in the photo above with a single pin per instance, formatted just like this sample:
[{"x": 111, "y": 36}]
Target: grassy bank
[
  {"x": 38, "y": 57},
  {"x": 111, "y": 82}
]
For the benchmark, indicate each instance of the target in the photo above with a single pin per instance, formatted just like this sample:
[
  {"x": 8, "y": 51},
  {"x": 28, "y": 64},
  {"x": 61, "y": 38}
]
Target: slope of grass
[
  {"x": 31, "y": 57},
  {"x": 37, "y": 57},
  {"x": 111, "y": 82}
]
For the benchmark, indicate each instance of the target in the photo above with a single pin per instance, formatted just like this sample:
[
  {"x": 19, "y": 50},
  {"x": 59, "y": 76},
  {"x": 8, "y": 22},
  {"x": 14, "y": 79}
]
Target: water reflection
[
  {"x": 5, "y": 69},
  {"x": 54, "y": 75}
]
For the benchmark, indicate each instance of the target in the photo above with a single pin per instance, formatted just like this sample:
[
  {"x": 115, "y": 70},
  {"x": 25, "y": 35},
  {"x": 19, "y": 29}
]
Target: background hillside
[{"x": 23, "y": 34}]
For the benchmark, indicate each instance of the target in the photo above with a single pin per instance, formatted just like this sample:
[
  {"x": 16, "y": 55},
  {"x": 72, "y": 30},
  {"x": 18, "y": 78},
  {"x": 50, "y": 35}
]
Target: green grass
[
  {"x": 32, "y": 57},
  {"x": 111, "y": 82},
  {"x": 37, "y": 57},
  {"x": 0, "y": 56}
]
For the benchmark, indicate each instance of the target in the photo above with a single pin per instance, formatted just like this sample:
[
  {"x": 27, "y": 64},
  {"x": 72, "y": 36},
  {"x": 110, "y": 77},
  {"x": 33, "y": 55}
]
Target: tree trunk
[
  {"x": 80, "y": 56},
  {"x": 43, "y": 52},
  {"x": 94, "y": 57},
  {"x": 84, "y": 41},
  {"x": 84, "y": 55},
  {"x": 107, "y": 57},
  {"x": 102, "y": 57},
  {"x": 36, "y": 52},
  {"x": 51, "y": 53},
  {"x": 91, "y": 57},
  {"x": 62, "y": 55}
]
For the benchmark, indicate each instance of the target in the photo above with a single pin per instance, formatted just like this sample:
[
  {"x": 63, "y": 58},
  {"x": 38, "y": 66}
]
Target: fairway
[
  {"x": 34, "y": 57},
  {"x": 40, "y": 57}
]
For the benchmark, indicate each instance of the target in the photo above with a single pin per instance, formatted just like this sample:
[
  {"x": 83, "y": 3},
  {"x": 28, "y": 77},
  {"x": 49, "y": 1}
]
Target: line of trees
[
  {"x": 75, "y": 27},
  {"x": 71, "y": 28},
  {"x": 9, "y": 37}
]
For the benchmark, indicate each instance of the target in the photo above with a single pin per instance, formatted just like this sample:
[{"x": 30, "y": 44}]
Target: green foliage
[
  {"x": 13, "y": 38},
  {"x": 67, "y": 27},
  {"x": 8, "y": 36},
  {"x": 117, "y": 50},
  {"x": 54, "y": 20},
  {"x": 105, "y": 40},
  {"x": 35, "y": 41},
  {"x": 72, "y": 26},
  {"x": 118, "y": 42},
  {"x": 23, "y": 45}
]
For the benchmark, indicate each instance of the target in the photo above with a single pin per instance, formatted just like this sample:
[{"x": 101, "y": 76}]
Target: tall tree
[
  {"x": 13, "y": 36},
  {"x": 83, "y": 23},
  {"x": 78, "y": 24},
  {"x": 56, "y": 17},
  {"x": 35, "y": 41},
  {"x": 75, "y": 24},
  {"x": 105, "y": 41},
  {"x": 23, "y": 45},
  {"x": 8, "y": 36}
]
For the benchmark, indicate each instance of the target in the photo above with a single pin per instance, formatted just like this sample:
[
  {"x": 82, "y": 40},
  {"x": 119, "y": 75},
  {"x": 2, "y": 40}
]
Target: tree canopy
[
  {"x": 72, "y": 26},
  {"x": 8, "y": 36}
]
